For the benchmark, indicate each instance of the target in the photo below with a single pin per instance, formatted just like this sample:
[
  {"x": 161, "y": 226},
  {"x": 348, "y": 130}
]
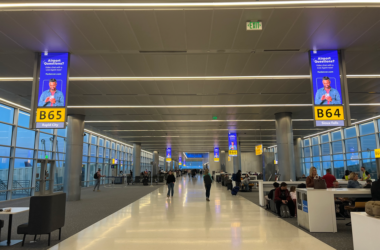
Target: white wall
[
  {"x": 251, "y": 162},
  {"x": 229, "y": 164},
  {"x": 214, "y": 166}
]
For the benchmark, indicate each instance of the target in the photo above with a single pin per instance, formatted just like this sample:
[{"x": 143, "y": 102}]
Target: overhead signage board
[
  {"x": 168, "y": 154},
  {"x": 216, "y": 154},
  {"x": 254, "y": 25},
  {"x": 326, "y": 88},
  {"x": 259, "y": 149},
  {"x": 232, "y": 144},
  {"x": 52, "y": 90}
]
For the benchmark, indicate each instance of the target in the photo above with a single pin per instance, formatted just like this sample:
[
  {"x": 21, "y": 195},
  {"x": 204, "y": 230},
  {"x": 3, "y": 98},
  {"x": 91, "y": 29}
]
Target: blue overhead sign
[
  {"x": 52, "y": 91},
  {"x": 326, "y": 77},
  {"x": 232, "y": 144},
  {"x": 216, "y": 154}
]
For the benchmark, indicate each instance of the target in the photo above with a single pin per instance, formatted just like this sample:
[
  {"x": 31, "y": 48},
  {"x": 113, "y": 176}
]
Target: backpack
[
  {"x": 233, "y": 177},
  {"x": 284, "y": 211},
  {"x": 96, "y": 175},
  {"x": 207, "y": 179}
]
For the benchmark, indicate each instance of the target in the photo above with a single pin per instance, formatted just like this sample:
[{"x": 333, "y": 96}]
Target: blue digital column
[
  {"x": 216, "y": 154},
  {"x": 168, "y": 154},
  {"x": 232, "y": 144}
]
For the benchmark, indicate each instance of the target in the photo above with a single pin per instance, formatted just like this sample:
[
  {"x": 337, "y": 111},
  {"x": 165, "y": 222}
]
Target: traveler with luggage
[
  {"x": 207, "y": 179},
  {"x": 270, "y": 196},
  {"x": 282, "y": 197},
  {"x": 170, "y": 182},
  {"x": 98, "y": 176}
]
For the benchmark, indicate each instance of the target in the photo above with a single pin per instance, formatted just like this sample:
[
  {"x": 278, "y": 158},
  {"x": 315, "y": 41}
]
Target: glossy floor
[{"x": 188, "y": 221}]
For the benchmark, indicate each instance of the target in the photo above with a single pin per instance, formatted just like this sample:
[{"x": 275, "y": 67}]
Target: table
[
  {"x": 316, "y": 207},
  {"x": 365, "y": 230},
  {"x": 14, "y": 210}
]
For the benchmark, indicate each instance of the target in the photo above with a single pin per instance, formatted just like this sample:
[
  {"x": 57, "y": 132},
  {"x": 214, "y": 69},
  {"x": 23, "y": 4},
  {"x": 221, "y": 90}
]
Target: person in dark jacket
[
  {"x": 170, "y": 182},
  {"x": 368, "y": 184},
  {"x": 375, "y": 190},
  {"x": 207, "y": 179},
  {"x": 282, "y": 196},
  {"x": 238, "y": 178},
  {"x": 271, "y": 194}
]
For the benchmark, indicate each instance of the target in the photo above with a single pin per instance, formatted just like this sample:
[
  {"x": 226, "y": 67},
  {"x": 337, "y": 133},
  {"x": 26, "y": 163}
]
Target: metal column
[
  {"x": 285, "y": 147},
  {"x": 298, "y": 156},
  {"x": 74, "y": 153},
  {"x": 155, "y": 163},
  {"x": 136, "y": 159}
]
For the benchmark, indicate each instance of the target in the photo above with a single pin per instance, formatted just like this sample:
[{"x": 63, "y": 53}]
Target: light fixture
[
  {"x": 161, "y": 121},
  {"x": 131, "y": 6},
  {"x": 14, "y": 104}
]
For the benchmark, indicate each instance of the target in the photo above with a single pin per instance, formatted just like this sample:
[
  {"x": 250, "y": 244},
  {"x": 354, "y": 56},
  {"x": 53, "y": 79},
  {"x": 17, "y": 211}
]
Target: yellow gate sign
[
  {"x": 51, "y": 115},
  {"x": 259, "y": 150},
  {"x": 377, "y": 153},
  {"x": 328, "y": 113}
]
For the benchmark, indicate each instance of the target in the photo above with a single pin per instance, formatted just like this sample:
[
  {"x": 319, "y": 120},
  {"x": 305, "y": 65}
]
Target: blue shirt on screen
[
  {"x": 333, "y": 93},
  {"x": 58, "y": 96}
]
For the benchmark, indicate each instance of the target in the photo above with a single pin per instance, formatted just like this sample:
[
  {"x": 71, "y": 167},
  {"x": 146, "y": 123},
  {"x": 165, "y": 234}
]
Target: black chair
[{"x": 46, "y": 214}]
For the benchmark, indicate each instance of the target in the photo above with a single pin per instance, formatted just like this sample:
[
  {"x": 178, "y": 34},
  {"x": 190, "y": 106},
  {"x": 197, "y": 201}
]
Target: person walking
[
  {"x": 170, "y": 182},
  {"x": 207, "y": 179},
  {"x": 98, "y": 176}
]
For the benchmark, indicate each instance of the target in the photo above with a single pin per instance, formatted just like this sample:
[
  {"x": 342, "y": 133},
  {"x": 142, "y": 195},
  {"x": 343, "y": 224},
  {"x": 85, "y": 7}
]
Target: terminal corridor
[{"x": 188, "y": 221}]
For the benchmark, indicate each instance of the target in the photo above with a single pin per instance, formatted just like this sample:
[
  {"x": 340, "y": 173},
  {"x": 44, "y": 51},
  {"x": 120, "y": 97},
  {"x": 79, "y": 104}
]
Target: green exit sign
[
  {"x": 254, "y": 25},
  {"x": 215, "y": 117}
]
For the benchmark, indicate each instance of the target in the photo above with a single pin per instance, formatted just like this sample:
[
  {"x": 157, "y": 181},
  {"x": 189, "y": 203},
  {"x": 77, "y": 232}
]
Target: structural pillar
[
  {"x": 74, "y": 154},
  {"x": 297, "y": 156},
  {"x": 222, "y": 160},
  {"x": 156, "y": 163},
  {"x": 285, "y": 147},
  {"x": 136, "y": 159}
]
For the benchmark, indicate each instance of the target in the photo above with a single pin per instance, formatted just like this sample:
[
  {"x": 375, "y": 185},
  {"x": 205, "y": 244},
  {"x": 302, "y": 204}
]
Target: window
[
  {"x": 367, "y": 128},
  {"x": 337, "y": 147},
  {"x": 325, "y": 148},
  {"x": 50, "y": 131},
  {"x": 45, "y": 142},
  {"x": 62, "y": 132},
  {"x": 368, "y": 143},
  {"x": 61, "y": 144},
  {"x": 351, "y": 145},
  {"x": 101, "y": 142},
  {"x": 93, "y": 150},
  {"x": 85, "y": 149},
  {"x": 314, "y": 140},
  {"x": 23, "y": 119},
  {"x": 306, "y": 152},
  {"x": 24, "y": 153},
  {"x": 336, "y": 136},
  {"x": 5, "y": 134},
  {"x": 94, "y": 139},
  {"x": 85, "y": 137},
  {"x": 349, "y": 132},
  {"x": 6, "y": 114},
  {"x": 325, "y": 138},
  {"x": 25, "y": 138}
]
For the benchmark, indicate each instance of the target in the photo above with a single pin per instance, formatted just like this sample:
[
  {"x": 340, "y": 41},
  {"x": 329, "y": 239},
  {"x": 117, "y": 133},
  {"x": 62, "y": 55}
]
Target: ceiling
[{"x": 207, "y": 42}]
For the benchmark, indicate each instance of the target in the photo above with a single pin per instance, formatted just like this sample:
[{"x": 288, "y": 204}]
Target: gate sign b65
[{"x": 329, "y": 113}]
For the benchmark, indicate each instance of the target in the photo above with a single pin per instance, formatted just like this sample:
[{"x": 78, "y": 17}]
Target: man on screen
[
  {"x": 232, "y": 146},
  {"x": 327, "y": 95},
  {"x": 51, "y": 97}
]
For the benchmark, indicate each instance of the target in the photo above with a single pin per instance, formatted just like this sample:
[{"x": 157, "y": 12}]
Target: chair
[
  {"x": 358, "y": 206},
  {"x": 46, "y": 214}
]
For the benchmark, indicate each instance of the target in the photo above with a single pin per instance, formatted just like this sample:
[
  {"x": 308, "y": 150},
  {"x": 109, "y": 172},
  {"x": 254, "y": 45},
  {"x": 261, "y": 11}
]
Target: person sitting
[
  {"x": 353, "y": 181},
  {"x": 269, "y": 197},
  {"x": 310, "y": 179},
  {"x": 293, "y": 195},
  {"x": 368, "y": 184},
  {"x": 336, "y": 184},
  {"x": 346, "y": 175},
  {"x": 282, "y": 196},
  {"x": 329, "y": 178},
  {"x": 365, "y": 174},
  {"x": 375, "y": 190},
  {"x": 246, "y": 182}
]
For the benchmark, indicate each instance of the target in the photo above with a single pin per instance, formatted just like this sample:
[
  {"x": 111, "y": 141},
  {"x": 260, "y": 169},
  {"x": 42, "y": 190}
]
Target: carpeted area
[
  {"x": 92, "y": 207},
  {"x": 342, "y": 240}
]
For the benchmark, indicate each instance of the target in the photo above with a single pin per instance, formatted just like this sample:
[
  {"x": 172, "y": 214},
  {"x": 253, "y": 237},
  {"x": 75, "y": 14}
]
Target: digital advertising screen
[
  {"x": 216, "y": 154},
  {"x": 325, "y": 75},
  {"x": 180, "y": 160},
  {"x": 232, "y": 144},
  {"x": 52, "y": 90},
  {"x": 168, "y": 154}
]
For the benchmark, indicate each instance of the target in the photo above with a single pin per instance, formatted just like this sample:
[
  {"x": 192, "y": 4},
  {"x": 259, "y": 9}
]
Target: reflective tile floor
[{"x": 188, "y": 221}]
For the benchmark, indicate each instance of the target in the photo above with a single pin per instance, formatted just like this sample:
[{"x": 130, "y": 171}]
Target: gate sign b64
[{"x": 329, "y": 116}]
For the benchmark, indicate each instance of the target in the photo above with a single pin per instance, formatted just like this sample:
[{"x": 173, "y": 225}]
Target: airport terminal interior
[{"x": 189, "y": 124}]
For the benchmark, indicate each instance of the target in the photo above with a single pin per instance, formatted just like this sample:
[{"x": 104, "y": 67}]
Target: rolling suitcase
[{"x": 235, "y": 190}]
